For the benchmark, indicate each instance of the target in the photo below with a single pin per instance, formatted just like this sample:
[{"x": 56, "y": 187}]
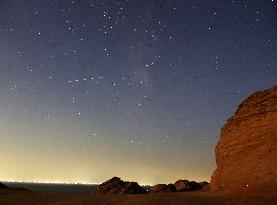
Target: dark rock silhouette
[
  {"x": 6, "y": 188},
  {"x": 181, "y": 185},
  {"x": 20, "y": 189},
  {"x": 133, "y": 188},
  {"x": 205, "y": 185},
  {"x": 246, "y": 154},
  {"x": 116, "y": 185},
  {"x": 162, "y": 188},
  {"x": 194, "y": 186},
  {"x": 3, "y": 186},
  {"x": 186, "y": 185}
]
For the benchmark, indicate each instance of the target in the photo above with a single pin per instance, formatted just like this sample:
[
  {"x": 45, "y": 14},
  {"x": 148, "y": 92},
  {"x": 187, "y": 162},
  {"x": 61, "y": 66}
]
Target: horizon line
[
  {"x": 58, "y": 182},
  {"x": 48, "y": 182}
]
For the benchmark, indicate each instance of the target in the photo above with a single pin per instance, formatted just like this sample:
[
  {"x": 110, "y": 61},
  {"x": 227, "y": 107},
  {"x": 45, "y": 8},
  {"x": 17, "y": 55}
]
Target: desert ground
[{"x": 185, "y": 198}]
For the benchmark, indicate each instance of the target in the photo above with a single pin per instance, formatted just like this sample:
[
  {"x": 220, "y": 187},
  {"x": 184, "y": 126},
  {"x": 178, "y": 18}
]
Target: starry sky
[{"x": 90, "y": 89}]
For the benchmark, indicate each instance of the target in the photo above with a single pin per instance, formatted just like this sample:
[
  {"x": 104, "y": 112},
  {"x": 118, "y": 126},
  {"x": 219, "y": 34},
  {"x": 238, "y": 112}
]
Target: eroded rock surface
[
  {"x": 246, "y": 154},
  {"x": 186, "y": 185},
  {"x": 116, "y": 185}
]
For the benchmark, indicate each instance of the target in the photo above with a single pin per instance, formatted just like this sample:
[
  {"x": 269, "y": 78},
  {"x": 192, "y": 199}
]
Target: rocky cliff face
[{"x": 246, "y": 154}]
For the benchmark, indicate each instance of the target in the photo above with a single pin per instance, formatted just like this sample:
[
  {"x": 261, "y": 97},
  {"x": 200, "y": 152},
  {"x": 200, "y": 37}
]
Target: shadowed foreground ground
[{"x": 192, "y": 198}]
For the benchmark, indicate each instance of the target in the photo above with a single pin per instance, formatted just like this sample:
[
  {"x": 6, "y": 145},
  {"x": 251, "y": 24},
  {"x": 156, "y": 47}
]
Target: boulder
[
  {"x": 185, "y": 185},
  {"x": 162, "y": 188},
  {"x": 193, "y": 186},
  {"x": 116, "y": 185},
  {"x": 246, "y": 154},
  {"x": 205, "y": 185},
  {"x": 181, "y": 185},
  {"x": 133, "y": 188}
]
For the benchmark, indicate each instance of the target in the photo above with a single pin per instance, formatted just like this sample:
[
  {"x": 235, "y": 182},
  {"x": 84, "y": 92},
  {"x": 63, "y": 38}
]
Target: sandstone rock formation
[
  {"x": 162, "y": 188},
  {"x": 116, "y": 185},
  {"x": 246, "y": 154},
  {"x": 181, "y": 185},
  {"x": 185, "y": 185}
]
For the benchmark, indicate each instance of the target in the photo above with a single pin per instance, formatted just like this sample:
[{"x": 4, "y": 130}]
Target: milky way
[{"x": 139, "y": 89}]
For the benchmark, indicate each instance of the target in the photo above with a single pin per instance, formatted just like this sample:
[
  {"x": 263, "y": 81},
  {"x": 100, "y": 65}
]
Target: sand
[{"x": 188, "y": 198}]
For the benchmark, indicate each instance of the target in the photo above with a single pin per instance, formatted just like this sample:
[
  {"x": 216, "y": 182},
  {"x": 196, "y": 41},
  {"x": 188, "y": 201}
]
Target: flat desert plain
[{"x": 185, "y": 198}]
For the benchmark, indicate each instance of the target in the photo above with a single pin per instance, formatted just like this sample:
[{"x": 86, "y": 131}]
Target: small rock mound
[
  {"x": 113, "y": 185},
  {"x": 3, "y": 186},
  {"x": 193, "y": 186},
  {"x": 205, "y": 185},
  {"x": 116, "y": 185},
  {"x": 162, "y": 188},
  {"x": 181, "y": 185},
  {"x": 186, "y": 185},
  {"x": 133, "y": 188},
  {"x": 246, "y": 155}
]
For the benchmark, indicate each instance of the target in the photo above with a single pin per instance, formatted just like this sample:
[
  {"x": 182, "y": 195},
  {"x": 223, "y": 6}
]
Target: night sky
[{"x": 91, "y": 89}]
